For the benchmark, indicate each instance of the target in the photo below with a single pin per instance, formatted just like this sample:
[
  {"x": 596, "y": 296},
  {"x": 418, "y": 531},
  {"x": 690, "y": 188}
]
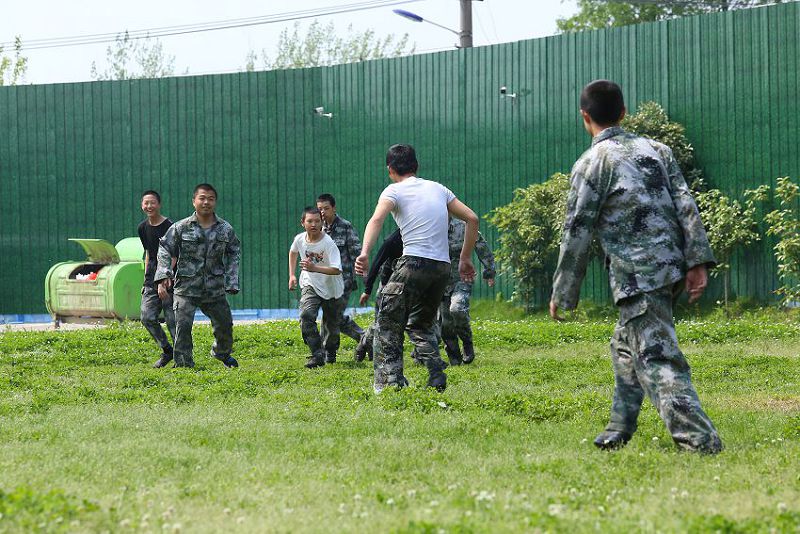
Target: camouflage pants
[
  {"x": 409, "y": 302},
  {"x": 332, "y": 310},
  {"x": 647, "y": 360},
  {"x": 218, "y": 310},
  {"x": 454, "y": 313},
  {"x": 347, "y": 325},
  {"x": 152, "y": 306}
]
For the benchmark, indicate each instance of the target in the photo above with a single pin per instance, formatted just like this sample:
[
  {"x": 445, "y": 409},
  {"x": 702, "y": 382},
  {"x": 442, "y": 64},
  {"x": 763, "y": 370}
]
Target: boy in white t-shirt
[{"x": 321, "y": 286}]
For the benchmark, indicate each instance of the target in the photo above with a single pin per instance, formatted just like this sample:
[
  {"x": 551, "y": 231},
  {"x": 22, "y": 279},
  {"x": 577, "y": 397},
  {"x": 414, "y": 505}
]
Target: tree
[
  {"x": 130, "y": 59},
  {"x": 597, "y": 14},
  {"x": 729, "y": 226},
  {"x": 320, "y": 46},
  {"x": 12, "y": 69}
]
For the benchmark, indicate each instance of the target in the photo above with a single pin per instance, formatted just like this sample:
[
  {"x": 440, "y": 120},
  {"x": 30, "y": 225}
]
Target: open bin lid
[
  {"x": 98, "y": 250},
  {"x": 130, "y": 249}
]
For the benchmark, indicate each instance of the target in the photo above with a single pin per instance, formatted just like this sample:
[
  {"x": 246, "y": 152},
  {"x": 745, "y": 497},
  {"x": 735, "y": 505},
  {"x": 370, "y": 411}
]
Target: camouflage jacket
[
  {"x": 629, "y": 192},
  {"x": 455, "y": 238},
  {"x": 206, "y": 266},
  {"x": 349, "y": 245}
]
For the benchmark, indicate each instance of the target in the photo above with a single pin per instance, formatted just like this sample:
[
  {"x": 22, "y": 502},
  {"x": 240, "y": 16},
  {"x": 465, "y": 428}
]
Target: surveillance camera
[
  {"x": 320, "y": 110},
  {"x": 503, "y": 90}
]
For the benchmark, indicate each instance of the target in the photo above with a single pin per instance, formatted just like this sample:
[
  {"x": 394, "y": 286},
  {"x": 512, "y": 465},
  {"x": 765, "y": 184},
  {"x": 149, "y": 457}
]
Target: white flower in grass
[
  {"x": 684, "y": 494},
  {"x": 585, "y": 440},
  {"x": 411, "y": 493},
  {"x": 390, "y": 501},
  {"x": 556, "y": 509},
  {"x": 177, "y": 527},
  {"x": 342, "y": 508},
  {"x": 655, "y": 438},
  {"x": 484, "y": 496},
  {"x": 433, "y": 504},
  {"x": 716, "y": 478},
  {"x": 240, "y": 519},
  {"x": 782, "y": 507},
  {"x": 452, "y": 487},
  {"x": 226, "y": 511},
  {"x": 357, "y": 497},
  {"x": 125, "y": 523},
  {"x": 442, "y": 404}
]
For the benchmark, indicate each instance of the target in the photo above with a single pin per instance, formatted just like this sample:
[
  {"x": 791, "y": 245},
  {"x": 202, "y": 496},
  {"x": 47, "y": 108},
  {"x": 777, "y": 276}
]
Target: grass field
[{"x": 93, "y": 439}]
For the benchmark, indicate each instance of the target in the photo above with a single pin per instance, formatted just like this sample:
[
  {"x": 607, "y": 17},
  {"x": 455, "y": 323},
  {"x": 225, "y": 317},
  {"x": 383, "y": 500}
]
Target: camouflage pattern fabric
[
  {"x": 455, "y": 238},
  {"x": 647, "y": 360},
  {"x": 310, "y": 304},
  {"x": 454, "y": 313},
  {"x": 216, "y": 309},
  {"x": 409, "y": 302},
  {"x": 630, "y": 191},
  {"x": 347, "y": 241},
  {"x": 208, "y": 266},
  {"x": 151, "y": 307}
]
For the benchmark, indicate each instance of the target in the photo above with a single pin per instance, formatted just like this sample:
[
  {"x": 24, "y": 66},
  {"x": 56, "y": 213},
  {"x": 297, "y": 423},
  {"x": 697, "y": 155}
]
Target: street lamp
[{"x": 464, "y": 36}]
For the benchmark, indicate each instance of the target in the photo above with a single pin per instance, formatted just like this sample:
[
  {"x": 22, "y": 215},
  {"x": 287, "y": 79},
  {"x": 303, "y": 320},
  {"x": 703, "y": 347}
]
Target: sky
[{"x": 494, "y": 21}]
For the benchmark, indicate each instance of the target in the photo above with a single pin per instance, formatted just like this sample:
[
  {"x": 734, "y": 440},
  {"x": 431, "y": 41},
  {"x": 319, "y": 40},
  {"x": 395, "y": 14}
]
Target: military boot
[
  {"x": 436, "y": 377},
  {"x": 361, "y": 350},
  {"x": 316, "y": 360},
  {"x": 330, "y": 356},
  {"x": 610, "y": 440},
  {"x": 165, "y": 358},
  {"x": 453, "y": 352},
  {"x": 469, "y": 350}
]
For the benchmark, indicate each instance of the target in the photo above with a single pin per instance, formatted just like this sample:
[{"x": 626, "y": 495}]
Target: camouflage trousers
[
  {"x": 218, "y": 310},
  {"x": 347, "y": 325},
  {"x": 332, "y": 309},
  {"x": 152, "y": 306},
  {"x": 409, "y": 302},
  {"x": 454, "y": 313},
  {"x": 647, "y": 360}
]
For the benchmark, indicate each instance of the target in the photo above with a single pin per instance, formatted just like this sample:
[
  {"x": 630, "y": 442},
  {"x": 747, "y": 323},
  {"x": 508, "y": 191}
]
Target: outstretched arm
[{"x": 371, "y": 234}]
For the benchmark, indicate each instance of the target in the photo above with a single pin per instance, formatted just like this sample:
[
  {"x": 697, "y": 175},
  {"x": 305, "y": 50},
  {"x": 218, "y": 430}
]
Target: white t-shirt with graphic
[
  {"x": 323, "y": 253},
  {"x": 420, "y": 210}
]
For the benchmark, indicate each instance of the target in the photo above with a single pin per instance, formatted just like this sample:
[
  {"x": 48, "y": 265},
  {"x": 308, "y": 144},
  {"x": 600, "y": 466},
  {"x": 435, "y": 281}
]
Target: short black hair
[
  {"x": 327, "y": 197},
  {"x": 403, "y": 159},
  {"x": 603, "y": 101},
  {"x": 204, "y": 187},
  {"x": 154, "y": 193},
  {"x": 308, "y": 210}
]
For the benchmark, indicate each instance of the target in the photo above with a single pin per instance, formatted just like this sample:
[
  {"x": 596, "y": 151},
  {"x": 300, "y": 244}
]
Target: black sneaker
[
  {"x": 609, "y": 440},
  {"x": 230, "y": 362},
  {"x": 162, "y": 361}
]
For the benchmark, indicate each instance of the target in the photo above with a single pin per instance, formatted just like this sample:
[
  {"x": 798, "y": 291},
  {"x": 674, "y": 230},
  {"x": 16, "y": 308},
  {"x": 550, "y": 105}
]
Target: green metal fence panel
[{"x": 74, "y": 158}]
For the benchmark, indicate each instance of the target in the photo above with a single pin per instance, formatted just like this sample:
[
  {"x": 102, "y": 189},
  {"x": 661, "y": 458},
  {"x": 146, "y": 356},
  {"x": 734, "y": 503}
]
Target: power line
[{"x": 166, "y": 31}]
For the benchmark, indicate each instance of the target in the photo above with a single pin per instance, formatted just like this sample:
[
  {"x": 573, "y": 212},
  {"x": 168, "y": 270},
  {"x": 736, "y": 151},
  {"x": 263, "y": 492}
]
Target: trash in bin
[{"x": 106, "y": 285}]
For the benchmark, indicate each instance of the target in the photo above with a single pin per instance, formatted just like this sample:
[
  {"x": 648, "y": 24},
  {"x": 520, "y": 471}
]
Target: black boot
[
  {"x": 361, "y": 350},
  {"x": 316, "y": 360},
  {"x": 436, "y": 377},
  {"x": 469, "y": 350},
  {"x": 610, "y": 440},
  {"x": 453, "y": 352}
]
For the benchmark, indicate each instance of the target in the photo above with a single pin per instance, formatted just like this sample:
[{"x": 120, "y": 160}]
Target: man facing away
[
  {"x": 414, "y": 291},
  {"x": 151, "y": 230},
  {"x": 628, "y": 191},
  {"x": 205, "y": 252}
]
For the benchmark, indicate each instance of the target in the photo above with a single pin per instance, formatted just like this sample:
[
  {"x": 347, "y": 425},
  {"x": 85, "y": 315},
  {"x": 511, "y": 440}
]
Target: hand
[
  {"x": 163, "y": 288},
  {"x": 292, "y": 282},
  {"x": 696, "y": 282},
  {"x": 363, "y": 298},
  {"x": 308, "y": 265},
  {"x": 362, "y": 264},
  {"x": 554, "y": 312},
  {"x": 466, "y": 270},
  {"x": 490, "y": 282}
]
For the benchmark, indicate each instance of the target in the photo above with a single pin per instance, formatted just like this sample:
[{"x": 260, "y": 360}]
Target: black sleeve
[
  {"x": 392, "y": 248},
  {"x": 142, "y": 238}
]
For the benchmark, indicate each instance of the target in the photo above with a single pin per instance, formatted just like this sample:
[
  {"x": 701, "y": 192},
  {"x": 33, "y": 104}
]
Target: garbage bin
[{"x": 106, "y": 285}]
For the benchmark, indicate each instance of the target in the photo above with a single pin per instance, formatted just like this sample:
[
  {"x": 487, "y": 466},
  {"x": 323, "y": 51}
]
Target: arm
[
  {"x": 486, "y": 258},
  {"x": 234, "y": 255},
  {"x": 387, "y": 252},
  {"x": 458, "y": 209},
  {"x": 292, "y": 269},
  {"x": 584, "y": 202},
  {"x": 371, "y": 233},
  {"x": 168, "y": 252},
  {"x": 310, "y": 266},
  {"x": 353, "y": 244}
]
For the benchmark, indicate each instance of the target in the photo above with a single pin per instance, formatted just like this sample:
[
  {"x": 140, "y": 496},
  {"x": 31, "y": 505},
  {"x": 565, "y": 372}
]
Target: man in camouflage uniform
[
  {"x": 414, "y": 291},
  {"x": 628, "y": 191},
  {"x": 206, "y": 251},
  {"x": 349, "y": 245},
  {"x": 454, "y": 310}
]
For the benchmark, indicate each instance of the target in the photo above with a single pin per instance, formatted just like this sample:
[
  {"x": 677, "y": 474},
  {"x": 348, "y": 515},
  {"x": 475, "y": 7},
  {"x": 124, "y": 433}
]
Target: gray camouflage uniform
[
  {"x": 628, "y": 191},
  {"x": 349, "y": 245},
  {"x": 454, "y": 310},
  {"x": 207, "y": 268}
]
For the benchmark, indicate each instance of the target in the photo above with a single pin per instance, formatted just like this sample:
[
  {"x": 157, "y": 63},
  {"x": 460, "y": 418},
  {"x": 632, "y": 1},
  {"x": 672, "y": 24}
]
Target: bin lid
[
  {"x": 130, "y": 249},
  {"x": 98, "y": 250}
]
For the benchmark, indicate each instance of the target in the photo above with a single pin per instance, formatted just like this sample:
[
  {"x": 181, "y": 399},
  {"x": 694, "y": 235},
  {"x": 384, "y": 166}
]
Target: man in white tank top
[{"x": 411, "y": 297}]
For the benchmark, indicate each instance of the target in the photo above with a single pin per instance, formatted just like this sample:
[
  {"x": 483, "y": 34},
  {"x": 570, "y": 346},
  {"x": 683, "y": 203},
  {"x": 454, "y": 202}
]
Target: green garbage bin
[{"x": 106, "y": 285}]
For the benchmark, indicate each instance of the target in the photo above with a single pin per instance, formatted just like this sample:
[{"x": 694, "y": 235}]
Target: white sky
[{"x": 494, "y": 21}]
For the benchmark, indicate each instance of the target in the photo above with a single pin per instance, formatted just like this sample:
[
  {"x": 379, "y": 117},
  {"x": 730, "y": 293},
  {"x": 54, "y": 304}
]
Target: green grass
[{"x": 93, "y": 439}]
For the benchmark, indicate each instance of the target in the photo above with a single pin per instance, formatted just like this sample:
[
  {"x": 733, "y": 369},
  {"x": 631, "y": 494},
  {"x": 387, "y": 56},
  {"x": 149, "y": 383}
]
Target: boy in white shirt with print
[{"x": 321, "y": 286}]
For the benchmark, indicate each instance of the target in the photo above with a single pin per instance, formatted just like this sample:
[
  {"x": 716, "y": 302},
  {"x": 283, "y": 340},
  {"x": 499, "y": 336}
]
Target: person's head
[
  {"x": 311, "y": 221},
  {"x": 602, "y": 105},
  {"x": 204, "y": 199},
  {"x": 327, "y": 207},
  {"x": 151, "y": 203},
  {"x": 401, "y": 160}
]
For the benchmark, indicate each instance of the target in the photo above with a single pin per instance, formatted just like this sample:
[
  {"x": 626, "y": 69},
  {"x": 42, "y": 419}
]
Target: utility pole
[{"x": 465, "y": 36}]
